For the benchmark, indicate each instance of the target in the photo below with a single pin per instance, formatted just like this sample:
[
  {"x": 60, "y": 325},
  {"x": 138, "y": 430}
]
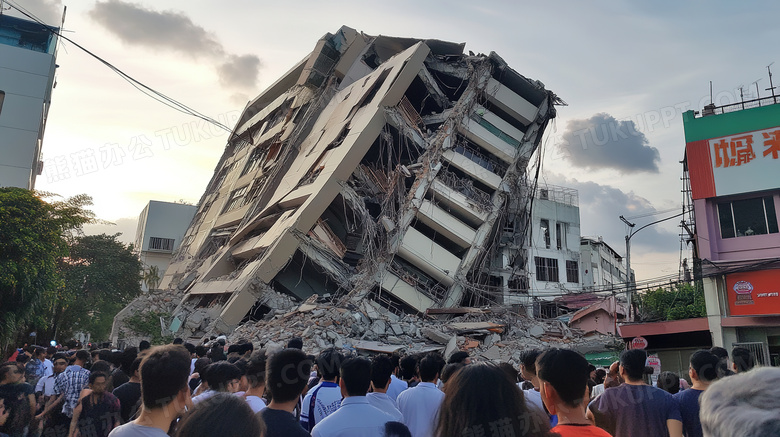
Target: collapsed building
[{"x": 377, "y": 168}]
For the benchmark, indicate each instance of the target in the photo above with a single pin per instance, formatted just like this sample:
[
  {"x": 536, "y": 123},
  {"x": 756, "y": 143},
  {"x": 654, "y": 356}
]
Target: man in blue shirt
[
  {"x": 324, "y": 398},
  {"x": 703, "y": 371},
  {"x": 356, "y": 417}
]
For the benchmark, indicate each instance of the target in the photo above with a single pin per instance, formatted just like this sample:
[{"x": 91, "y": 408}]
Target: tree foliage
[
  {"x": 33, "y": 236},
  {"x": 683, "y": 301}
]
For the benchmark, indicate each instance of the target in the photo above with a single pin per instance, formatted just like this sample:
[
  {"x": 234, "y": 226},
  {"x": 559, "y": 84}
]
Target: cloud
[
  {"x": 174, "y": 31},
  {"x": 239, "y": 71},
  {"x": 48, "y": 11},
  {"x": 604, "y": 142},
  {"x": 600, "y": 209},
  {"x": 126, "y": 226}
]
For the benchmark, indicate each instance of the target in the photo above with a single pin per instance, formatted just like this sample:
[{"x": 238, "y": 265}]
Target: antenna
[
  {"x": 711, "y": 102},
  {"x": 771, "y": 87},
  {"x": 742, "y": 96},
  {"x": 758, "y": 95}
]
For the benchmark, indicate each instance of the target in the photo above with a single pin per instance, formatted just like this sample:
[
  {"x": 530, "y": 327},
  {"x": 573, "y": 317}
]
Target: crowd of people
[{"x": 218, "y": 390}]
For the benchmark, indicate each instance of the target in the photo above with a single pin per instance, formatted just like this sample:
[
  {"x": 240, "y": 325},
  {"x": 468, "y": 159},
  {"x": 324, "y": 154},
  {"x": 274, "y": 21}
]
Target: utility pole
[{"x": 629, "y": 289}]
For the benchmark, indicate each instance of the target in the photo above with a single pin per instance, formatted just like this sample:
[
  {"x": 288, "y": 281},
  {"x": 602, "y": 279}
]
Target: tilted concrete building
[{"x": 377, "y": 167}]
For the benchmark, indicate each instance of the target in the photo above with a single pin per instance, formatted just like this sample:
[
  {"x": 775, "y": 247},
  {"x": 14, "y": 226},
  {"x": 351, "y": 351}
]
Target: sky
[{"x": 627, "y": 71}]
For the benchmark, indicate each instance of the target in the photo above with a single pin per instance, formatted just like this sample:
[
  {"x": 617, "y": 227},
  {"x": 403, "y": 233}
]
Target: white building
[
  {"x": 602, "y": 266},
  {"x": 161, "y": 228},
  {"x": 27, "y": 67}
]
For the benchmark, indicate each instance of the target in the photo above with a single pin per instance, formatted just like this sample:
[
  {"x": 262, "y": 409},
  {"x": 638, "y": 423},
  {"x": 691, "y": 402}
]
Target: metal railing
[
  {"x": 466, "y": 187},
  {"x": 734, "y": 107},
  {"x": 419, "y": 281},
  {"x": 487, "y": 162},
  {"x": 567, "y": 196}
]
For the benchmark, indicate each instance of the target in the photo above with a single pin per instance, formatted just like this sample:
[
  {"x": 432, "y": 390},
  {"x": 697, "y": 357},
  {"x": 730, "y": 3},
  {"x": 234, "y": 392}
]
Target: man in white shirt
[
  {"x": 397, "y": 385},
  {"x": 324, "y": 398},
  {"x": 255, "y": 375},
  {"x": 48, "y": 366},
  {"x": 528, "y": 371},
  {"x": 381, "y": 369},
  {"x": 420, "y": 404},
  {"x": 356, "y": 417}
]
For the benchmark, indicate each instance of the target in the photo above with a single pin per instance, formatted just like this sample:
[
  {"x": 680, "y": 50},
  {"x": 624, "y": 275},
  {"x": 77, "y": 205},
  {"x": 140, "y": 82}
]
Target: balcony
[
  {"x": 431, "y": 258},
  {"x": 445, "y": 224}
]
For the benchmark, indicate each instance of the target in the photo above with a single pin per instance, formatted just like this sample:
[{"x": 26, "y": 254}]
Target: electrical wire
[{"x": 156, "y": 95}]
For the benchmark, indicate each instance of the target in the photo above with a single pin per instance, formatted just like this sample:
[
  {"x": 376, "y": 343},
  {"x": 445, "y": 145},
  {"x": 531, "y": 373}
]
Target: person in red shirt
[{"x": 563, "y": 376}]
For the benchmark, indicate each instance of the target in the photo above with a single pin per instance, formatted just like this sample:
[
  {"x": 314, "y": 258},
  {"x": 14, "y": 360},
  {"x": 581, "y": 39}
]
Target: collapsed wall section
[{"x": 376, "y": 168}]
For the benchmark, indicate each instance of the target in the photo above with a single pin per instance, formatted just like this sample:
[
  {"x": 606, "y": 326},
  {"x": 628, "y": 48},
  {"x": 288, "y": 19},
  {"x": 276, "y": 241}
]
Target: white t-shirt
[
  {"x": 420, "y": 408},
  {"x": 534, "y": 398},
  {"x": 256, "y": 403},
  {"x": 328, "y": 400},
  {"x": 131, "y": 429}
]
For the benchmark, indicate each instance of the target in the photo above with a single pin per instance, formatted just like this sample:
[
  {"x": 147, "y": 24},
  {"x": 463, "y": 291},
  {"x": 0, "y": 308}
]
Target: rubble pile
[{"x": 494, "y": 334}]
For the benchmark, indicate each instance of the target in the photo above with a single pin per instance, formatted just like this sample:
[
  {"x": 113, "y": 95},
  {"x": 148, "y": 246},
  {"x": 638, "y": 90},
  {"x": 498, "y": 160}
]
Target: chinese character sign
[{"x": 745, "y": 162}]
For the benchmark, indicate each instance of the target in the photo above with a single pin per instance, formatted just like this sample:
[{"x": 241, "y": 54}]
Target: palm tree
[{"x": 151, "y": 277}]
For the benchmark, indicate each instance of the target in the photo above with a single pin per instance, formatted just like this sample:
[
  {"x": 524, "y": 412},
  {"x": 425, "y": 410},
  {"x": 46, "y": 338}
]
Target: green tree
[
  {"x": 683, "y": 301},
  {"x": 151, "y": 277},
  {"x": 33, "y": 236}
]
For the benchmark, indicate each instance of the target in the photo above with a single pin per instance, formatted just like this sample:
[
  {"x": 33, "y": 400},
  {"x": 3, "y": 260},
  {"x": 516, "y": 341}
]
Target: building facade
[
  {"x": 27, "y": 70},
  {"x": 602, "y": 267},
  {"x": 161, "y": 228},
  {"x": 377, "y": 167},
  {"x": 732, "y": 174}
]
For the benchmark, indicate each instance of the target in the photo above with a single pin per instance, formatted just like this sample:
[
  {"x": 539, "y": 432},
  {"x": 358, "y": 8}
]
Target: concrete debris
[{"x": 336, "y": 327}]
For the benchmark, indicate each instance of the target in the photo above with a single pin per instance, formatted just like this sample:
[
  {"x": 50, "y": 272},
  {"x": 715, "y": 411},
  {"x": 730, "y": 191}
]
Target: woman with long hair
[{"x": 481, "y": 400}]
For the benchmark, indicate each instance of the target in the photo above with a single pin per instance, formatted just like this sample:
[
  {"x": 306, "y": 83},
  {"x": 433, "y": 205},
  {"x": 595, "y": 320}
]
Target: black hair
[
  {"x": 255, "y": 369},
  {"x": 396, "y": 429},
  {"x": 295, "y": 343},
  {"x": 428, "y": 368},
  {"x": 59, "y": 356},
  {"x": 101, "y": 366},
  {"x": 246, "y": 347},
  {"x": 51, "y": 350},
  {"x": 201, "y": 351},
  {"x": 458, "y": 357},
  {"x": 218, "y": 374},
  {"x": 201, "y": 364},
  {"x": 381, "y": 370},
  {"x": 329, "y": 362},
  {"x": 164, "y": 373},
  {"x": 600, "y": 375},
  {"x": 528, "y": 359},
  {"x": 568, "y": 372},
  {"x": 356, "y": 374},
  {"x": 719, "y": 352},
  {"x": 705, "y": 363},
  {"x": 135, "y": 366},
  {"x": 128, "y": 356},
  {"x": 234, "y": 348},
  {"x": 743, "y": 359},
  {"x": 408, "y": 366},
  {"x": 178, "y": 340},
  {"x": 93, "y": 376},
  {"x": 668, "y": 382},
  {"x": 450, "y": 370},
  {"x": 509, "y": 370},
  {"x": 287, "y": 373},
  {"x": 23, "y": 358},
  {"x": 82, "y": 355},
  {"x": 633, "y": 361},
  {"x": 224, "y": 415},
  {"x": 217, "y": 353},
  {"x": 190, "y": 347},
  {"x": 143, "y": 345}
]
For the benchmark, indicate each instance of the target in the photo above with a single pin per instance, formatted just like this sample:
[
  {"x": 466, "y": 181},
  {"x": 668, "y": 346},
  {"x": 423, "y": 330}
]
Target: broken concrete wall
[{"x": 377, "y": 167}]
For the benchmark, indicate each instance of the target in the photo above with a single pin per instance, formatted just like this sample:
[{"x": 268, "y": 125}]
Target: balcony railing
[
  {"x": 466, "y": 187},
  {"x": 487, "y": 162},
  {"x": 419, "y": 281}
]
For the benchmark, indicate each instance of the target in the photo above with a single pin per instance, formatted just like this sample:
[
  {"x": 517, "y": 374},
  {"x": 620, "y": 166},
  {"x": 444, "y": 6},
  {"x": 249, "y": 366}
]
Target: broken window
[
  {"x": 273, "y": 153},
  {"x": 544, "y": 226},
  {"x": 518, "y": 284},
  {"x": 236, "y": 199},
  {"x": 560, "y": 235},
  {"x": 572, "y": 271},
  {"x": 546, "y": 269},
  {"x": 255, "y": 158}
]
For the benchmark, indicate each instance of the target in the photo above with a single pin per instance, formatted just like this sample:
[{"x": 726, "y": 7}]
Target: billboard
[
  {"x": 741, "y": 163},
  {"x": 753, "y": 293}
]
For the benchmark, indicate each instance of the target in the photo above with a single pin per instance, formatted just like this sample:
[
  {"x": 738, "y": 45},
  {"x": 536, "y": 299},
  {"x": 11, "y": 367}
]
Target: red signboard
[
  {"x": 638, "y": 343},
  {"x": 754, "y": 293}
]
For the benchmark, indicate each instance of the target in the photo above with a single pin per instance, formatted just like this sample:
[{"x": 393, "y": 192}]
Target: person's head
[
  {"x": 286, "y": 375},
  {"x": 128, "y": 356},
  {"x": 164, "y": 374},
  {"x": 563, "y": 379},
  {"x": 135, "y": 368},
  {"x": 255, "y": 369},
  {"x": 295, "y": 343},
  {"x": 10, "y": 373},
  {"x": 461, "y": 357},
  {"x": 224, "y": 415},
  {"x": 82, "y": 357},
  {"x": 668, "y": 382},
  {"x": 50, "y": 351},
  {"x": 355, "y": 376},
  {"x": 217, "y": 353},
  {"x": 470, "y": 408},
  {"x": 396, "y": 429},
  {"x": 528, "y": 364},
  {"x": 428, "y": 368},
  {"x": 190, "y": 348},
  {"x": 743, "y": 359},
  {"x": 201, "y": 364},
  {"x": 408, "y": 365},
  {"x": 101, "y": 366},
  {"x": 381, "y": 370},
  {"x": 223, "y": 376},
  {"x": 23, "y": 358},
  {"x": 98, "y": 382},
  {"x": 201, "y": 351},
  {"x": 328, "y": 364},
  {"x": 178, "y": 340},
  {"x": 600, "y": 375},
  {"x": 613, "y": 378},
  {"x": 144, "y": 345},
  {"x": 704, "y": 366},
  {"x": 509, "y": 370},
  {"x": 742, "y": 405},
  {"x": 450, "y": 370},
  {"x": 720, "y": 352},
  {"x": 632, "y": 365},
  {"x": 59, "y": 363},
  {"x": 39, "y": 353}
]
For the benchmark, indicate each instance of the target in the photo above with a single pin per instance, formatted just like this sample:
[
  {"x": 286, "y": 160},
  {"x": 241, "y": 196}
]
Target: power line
[{"x": 156, "y": 95}]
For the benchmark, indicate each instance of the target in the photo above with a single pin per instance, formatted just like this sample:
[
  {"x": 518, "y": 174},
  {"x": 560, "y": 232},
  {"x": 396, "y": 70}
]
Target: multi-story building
[
  {"x": 377, "y": 167},
  {"x": 27, "y": 69},
  {"x": 602, "y": 267},
  {"x": 732, "y": 173},
  {"x": 161, "y": 228}
]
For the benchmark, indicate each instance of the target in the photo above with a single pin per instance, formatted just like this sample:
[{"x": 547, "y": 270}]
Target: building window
[
  {"x": 546, "y": 269},
  {"x": 560, "y": 235},
  {"x": 236, "y": 199},
  {"x": 157, "y": 243},
  {"x": 572, "y": 271},
  {"x": 257, "y": 156},
  {"x": 545, "y": 227},
  {"x": 743, "y": 218}
]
